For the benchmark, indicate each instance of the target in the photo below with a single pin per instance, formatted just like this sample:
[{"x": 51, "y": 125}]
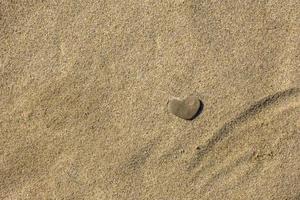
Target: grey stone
[{"x": 186, "y": 108}]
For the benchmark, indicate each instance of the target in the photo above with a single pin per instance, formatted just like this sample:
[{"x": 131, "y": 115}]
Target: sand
[{"x": 84, "y": 87}]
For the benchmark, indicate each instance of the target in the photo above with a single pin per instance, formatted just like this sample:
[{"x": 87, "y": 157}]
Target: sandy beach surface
[{"x": 84, "y": 88}]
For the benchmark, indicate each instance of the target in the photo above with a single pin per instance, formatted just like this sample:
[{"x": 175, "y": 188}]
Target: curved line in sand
[{"x": 254, "y": 109}]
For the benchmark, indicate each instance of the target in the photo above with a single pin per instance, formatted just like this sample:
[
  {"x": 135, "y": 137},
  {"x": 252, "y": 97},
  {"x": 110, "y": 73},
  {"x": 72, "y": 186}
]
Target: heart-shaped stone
[{"x": 186, "y": 108}]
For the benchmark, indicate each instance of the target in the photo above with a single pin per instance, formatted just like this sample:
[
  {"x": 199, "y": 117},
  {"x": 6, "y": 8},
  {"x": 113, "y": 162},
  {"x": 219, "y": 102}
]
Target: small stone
[{"x": 186, "y": 109}]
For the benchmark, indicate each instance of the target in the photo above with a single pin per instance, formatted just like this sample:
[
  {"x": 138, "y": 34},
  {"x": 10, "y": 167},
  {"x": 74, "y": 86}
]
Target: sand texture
[{"x": 84, "y": 89}]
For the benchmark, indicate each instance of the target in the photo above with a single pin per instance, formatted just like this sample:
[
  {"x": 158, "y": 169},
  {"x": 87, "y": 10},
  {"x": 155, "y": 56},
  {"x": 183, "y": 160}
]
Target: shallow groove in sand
[
  {"x": 137, "y": 160},
  {"x": 228, "y": 169},
  {"x": 254, "y": 109}
]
